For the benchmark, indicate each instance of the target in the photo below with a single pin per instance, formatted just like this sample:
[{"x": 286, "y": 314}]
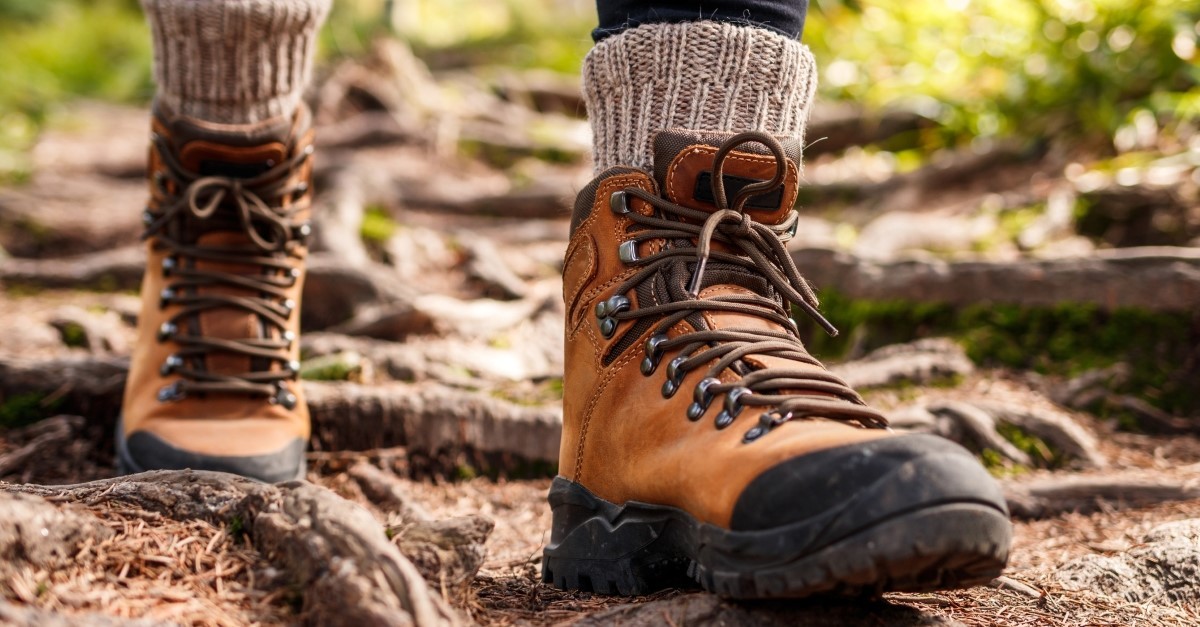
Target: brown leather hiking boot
[
  {"x": 700, "y": 439},
  {"x": 212, "y": 384}
]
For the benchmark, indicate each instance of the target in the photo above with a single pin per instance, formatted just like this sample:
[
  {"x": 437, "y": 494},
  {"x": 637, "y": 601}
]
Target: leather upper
[
  {"x": 219, "y": 424},
  {"x": 622, "y": 439}
]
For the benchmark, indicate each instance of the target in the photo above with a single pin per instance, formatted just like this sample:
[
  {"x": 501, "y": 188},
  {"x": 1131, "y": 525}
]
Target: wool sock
[
  {"x": 710, "y": 76},
  {"x": 233, "y": 61}
]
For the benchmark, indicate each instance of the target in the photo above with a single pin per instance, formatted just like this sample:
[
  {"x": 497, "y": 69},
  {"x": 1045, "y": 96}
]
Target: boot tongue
[
  {"x": 236, "y": 151},
  {"x": 683, "y": 168}
]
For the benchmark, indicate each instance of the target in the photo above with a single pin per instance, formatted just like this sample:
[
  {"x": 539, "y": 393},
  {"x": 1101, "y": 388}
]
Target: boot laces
[
  {"x": 786, "y": 393},
  {"x": 252, "y": 206}
]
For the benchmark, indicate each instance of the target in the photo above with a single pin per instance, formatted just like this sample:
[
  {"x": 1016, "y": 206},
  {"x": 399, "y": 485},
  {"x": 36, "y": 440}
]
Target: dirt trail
[{"x": 432, "y": 356}]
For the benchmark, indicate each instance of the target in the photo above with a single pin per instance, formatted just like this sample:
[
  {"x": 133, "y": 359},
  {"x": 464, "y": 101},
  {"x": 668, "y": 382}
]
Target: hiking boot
[
  {"x": 213, "y": 380},
  {"x": 701, "y": 441}
]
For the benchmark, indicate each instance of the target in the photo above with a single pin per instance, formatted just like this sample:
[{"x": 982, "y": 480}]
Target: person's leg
[
  {"x": 212, "y": 382},
  {"x": 701, "y": 441},
  {"x": 730, "y": 74},
  {"x": 783, "y": 17}
]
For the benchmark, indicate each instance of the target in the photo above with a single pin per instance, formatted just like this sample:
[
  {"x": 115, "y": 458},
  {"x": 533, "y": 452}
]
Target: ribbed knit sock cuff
[
  {"x": 233, "y": 61},
  {"x": 710, "y": 76}
]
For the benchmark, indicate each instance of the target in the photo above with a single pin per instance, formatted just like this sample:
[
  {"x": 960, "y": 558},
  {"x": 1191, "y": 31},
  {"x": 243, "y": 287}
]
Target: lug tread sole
[{"x": 946, "y": 546}]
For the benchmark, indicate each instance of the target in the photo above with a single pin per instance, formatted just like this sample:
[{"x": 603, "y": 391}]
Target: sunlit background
[
  {"x": 945, "y": 129},
  {"x": 1114, "y": 75}
]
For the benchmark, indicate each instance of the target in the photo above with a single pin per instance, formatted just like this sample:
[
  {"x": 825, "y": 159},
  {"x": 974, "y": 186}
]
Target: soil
[{"x": 497, "y": 346}]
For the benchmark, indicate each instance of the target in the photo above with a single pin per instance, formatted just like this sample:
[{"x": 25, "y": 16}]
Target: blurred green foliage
[
  {"x": 987, "y": 68},
  {"x": 982, "y": 68}
]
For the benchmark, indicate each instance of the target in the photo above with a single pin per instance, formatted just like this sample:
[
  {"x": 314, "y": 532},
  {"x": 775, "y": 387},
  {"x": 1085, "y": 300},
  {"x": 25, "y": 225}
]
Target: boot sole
[
  {"x": 637, "y": 548},
  {"x": 127, "y": 465}
]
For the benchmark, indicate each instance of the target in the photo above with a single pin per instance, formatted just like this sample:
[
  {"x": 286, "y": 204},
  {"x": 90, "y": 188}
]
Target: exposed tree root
[
  {"x": 1054, "y": 495},
  {"x": 330, "y": 548},
  {"x": 424, "y": 417},
  {"x": 914, "y": 363},
  {"x": 1151, "y": 278}
]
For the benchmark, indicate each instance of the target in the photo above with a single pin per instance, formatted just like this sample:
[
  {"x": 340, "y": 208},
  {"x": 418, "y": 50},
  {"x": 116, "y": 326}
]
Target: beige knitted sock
[
  {"x": 710, "y": 76},
  {"x": 233, "y": 61}
]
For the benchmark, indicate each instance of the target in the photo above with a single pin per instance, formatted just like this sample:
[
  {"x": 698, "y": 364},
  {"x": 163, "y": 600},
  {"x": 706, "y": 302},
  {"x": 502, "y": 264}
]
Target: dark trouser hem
[{"x": 785, "y": 17}]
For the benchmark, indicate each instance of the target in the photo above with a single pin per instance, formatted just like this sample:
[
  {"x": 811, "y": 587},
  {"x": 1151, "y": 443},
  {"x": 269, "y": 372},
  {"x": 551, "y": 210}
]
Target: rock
[
  {"x": 37, "y": 533},
  {"x": 1164, "y": 569}
]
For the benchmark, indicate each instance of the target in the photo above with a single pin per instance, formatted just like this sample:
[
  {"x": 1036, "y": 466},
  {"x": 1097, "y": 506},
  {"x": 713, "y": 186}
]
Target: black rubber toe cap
[
  {"x": 143, "y": 451},
  {"x": 841, "y": 490}
]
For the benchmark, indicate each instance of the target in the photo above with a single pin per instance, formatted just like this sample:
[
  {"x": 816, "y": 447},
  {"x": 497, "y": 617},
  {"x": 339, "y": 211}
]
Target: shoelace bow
[
  {"x": 251, "y": 206},
  {"x": 791, "y": 392}
]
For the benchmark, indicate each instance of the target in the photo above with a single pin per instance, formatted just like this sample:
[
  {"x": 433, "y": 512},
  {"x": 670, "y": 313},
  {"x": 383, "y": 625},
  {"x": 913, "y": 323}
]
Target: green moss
[
  {"x": 541, "y": 393},
  {"x": 74, "y": 335},
  {"x": 336, "y": 367},
  {"x": 19, "y": 410},
  {"x": 999, "y": 466},
  {"x": 1036, "y": 448},
  {"x": 377, "y": 225},
  {"x": 465, "y": 472},
  {"x": 237, "y": 528},
  {"x": 21, "y": 290},
  {"x": 1066, "y": 340}
]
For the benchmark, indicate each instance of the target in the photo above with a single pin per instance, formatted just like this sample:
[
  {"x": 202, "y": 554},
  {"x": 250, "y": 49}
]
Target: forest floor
[{"x": 433, "y": 363}]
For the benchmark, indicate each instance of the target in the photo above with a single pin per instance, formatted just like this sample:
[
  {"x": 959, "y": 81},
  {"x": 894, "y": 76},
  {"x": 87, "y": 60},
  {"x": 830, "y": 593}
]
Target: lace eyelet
[
  {"x": 723, "y": 420},
  {"x": 753, "y": 434},
  {"x": 283, "y": 397},
  {"x": 165, "y": 297},
  {"x": 171, "y": 393},
  {"x": 293, "y": 366},
  {"x": 147, "y": 218},
  {"x": 289, "y": 306},
  {"x": 166, "y": 331},
  {"x": 605, "y": 310},
  {"x": 732, "y": 407},
  {"x": 671, "y": 386},
  {"x": 653, "y": 353},
  {"x": 619, "y": 202},
  {"x": 169, "y": 366},
  {"x": 168, "y": 266},
  {"x": 703, "y": 397},
  {"x": 289, "y": 337},
  {"x": 627, "y": 252}
]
